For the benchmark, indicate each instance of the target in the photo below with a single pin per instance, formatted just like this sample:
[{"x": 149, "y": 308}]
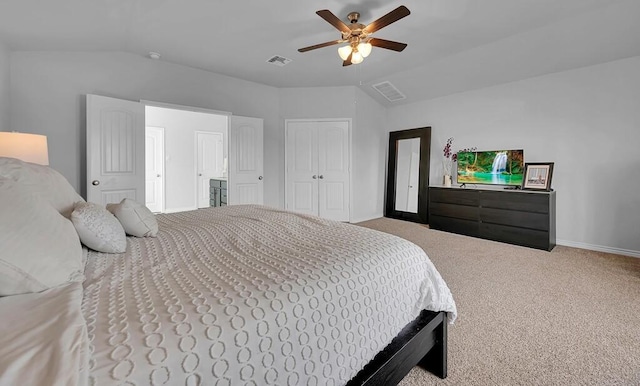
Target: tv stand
[{"x": 526, "y": 218}]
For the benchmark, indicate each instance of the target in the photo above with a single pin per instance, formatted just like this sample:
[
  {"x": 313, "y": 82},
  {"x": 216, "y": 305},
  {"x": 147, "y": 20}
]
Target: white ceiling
[{"x": 453, "y": 45}]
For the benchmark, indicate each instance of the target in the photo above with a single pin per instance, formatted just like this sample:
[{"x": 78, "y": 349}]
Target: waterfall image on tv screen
[{"x": 500, "y": 167}]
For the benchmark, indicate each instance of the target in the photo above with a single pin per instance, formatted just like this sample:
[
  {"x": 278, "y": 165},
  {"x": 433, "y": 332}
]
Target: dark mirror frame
[{"x": 422, "y": 216}]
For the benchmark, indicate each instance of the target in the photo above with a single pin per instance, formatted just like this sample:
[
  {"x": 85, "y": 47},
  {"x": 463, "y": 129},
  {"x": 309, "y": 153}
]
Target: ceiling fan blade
[
  {"x": 387, "y": 19},
  {"x": 326, "y": 44},
  {"x": 333, "y": 20},
  {"x": 388, "y": 44},
  {"x": 348, "y": 61}
]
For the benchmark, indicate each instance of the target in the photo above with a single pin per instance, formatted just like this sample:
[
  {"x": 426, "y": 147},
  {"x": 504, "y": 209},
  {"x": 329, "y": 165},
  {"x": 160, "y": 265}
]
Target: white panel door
[
  {"x": 245, "y": 185},
  {"x": 154, "y": 169},
  {"x": 333, "y": 170},
  {"x": 302, "y": 167},
  {"x": 115, "y": 150},
  {"x": 209, "y": 161}
]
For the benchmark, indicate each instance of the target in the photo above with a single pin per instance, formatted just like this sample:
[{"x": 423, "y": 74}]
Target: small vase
[{"x": 447, "y": 181}]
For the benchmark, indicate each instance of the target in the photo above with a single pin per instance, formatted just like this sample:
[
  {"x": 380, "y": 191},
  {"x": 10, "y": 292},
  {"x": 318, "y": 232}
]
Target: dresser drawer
[
  {"x": 454, "y": 196},
  {"x": 513, "y": 235},
  {"x": 455, "y": 211},
  {"x": 539, "y": 221},
  {"x": 456, "y": 225},
  {"x": 214, "y": 183},
  {"x": 526, "y": 202}
]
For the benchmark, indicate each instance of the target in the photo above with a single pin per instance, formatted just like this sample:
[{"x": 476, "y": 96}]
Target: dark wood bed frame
[{"x": 422, "y": 342}]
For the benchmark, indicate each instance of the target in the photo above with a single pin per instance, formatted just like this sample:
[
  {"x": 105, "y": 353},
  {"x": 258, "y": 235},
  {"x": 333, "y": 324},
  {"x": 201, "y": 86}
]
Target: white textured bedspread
[{"x": 249, "y": 295}]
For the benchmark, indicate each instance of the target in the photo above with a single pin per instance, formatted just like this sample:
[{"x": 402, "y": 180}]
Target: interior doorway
[
  {"x": 116, "y": 162},
  {"x": 195, "y": 148}
]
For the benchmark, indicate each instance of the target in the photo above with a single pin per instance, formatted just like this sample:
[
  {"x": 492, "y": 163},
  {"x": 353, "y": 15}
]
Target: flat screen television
[{"x": 494, "y": 167}]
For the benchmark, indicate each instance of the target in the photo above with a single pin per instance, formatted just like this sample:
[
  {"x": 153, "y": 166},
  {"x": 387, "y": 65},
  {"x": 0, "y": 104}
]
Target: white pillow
[
  {"x": 136, "y": 219},
  {"x": 42, "y": 181},
  {"x": 98, "y": 229},
  {"x": 40, "y": 249}
]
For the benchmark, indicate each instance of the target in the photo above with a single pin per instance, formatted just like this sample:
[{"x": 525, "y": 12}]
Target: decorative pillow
[
  {"x": 42, "y": 181},
  {"x": 136, "y": 219},
  {"x": 98, "y": 229},
  {"x": 40, "y": 249}
]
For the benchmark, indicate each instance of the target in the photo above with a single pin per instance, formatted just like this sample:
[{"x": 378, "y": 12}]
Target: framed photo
[{"x": 537, "y": 176}]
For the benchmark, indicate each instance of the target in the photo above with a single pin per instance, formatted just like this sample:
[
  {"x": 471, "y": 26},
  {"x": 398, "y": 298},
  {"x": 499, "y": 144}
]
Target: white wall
[
  {"x": 4, "y": 87},
  {"x": 48, "y": 96},
  {"x": 370, "y": 140},
  {"x": 367, "y": 134},
  {"x": 180, "y": 129},
  {"x": 585, "y": 120}
]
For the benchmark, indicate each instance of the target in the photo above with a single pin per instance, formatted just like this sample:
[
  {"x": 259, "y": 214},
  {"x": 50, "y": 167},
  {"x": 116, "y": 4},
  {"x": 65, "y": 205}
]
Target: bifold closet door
[{"x": 317, "y": 168}]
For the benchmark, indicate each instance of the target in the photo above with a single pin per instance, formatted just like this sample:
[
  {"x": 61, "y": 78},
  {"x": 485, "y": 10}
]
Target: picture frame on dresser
[{"x": 537, "y": 176}]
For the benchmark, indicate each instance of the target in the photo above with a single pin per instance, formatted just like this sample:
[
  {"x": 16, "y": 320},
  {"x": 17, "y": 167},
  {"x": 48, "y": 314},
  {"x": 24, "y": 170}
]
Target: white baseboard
[
  {"x": 366, "y": 218},
  {"x": 174, "y": 210},
  {"x": 599, "y": 248}
]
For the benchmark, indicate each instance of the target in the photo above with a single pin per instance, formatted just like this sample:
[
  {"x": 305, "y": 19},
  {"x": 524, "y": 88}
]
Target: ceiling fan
[{"x": 358, "y": 35}]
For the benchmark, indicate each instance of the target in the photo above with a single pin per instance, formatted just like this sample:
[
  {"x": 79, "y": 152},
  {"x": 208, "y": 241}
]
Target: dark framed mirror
[{"x": 408, "y": 175}]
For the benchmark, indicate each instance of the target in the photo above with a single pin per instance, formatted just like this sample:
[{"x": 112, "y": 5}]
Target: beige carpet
[{"x": 529, "y": 317}]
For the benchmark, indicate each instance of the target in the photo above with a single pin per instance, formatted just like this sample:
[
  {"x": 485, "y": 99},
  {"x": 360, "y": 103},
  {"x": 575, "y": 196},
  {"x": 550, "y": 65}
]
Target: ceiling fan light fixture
[
  {"x": 364, "y": 49},
  {"x": 357, "y": 35},
  {"x": 344, "y": 52}
]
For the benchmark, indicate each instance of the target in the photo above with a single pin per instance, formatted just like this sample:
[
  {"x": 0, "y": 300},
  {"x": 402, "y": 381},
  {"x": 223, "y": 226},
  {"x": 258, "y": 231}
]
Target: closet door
[
  {"x": 333, "y": 170},
  {"x": 317, "y": 162},
  {"x": 302, "y": 167}
]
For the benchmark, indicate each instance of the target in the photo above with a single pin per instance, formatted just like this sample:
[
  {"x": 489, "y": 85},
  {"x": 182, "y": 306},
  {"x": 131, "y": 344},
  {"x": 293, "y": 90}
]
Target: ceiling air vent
[
  {"x": 279, "y": 60},
  {"x": 389, "y": 91}
]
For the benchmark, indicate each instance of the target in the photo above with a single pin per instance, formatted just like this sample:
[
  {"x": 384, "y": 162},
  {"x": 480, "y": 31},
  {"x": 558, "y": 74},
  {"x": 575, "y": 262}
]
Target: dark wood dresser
[
  {"x": 217, "y": 192},
  {"x": 526, "y": 218}
]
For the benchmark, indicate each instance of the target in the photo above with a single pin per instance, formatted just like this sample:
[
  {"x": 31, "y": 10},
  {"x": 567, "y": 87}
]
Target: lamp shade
[
  {"x": 364, "y": 49},
  {"x": 26, "y": 147},
  {"x": 356, "y": 57},
  {"x": 344, "y": 52}
]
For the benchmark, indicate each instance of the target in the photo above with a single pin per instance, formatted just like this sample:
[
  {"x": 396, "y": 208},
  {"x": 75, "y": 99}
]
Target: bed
[{"x": 239, "y": 295}]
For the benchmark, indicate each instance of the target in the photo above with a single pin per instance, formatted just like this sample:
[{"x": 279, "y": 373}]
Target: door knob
[
  {"x": 314, "y": 177},
  {"x": 320, "y": 176},
  {"x": 199, "y": 174},
  {"x": 158, "y": 175},
  {"x": 95, "y": 182},
  {"x": 260, "y": 178}
]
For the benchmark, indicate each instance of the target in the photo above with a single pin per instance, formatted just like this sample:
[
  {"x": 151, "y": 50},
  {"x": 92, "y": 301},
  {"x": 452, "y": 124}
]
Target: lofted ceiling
[{"x": 453, "y": 45}]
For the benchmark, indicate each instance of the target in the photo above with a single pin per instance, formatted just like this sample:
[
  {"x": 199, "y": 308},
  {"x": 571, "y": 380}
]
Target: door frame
[
  {"x": 193, "y": 109},
  {"x": 286, "y": 174}
]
